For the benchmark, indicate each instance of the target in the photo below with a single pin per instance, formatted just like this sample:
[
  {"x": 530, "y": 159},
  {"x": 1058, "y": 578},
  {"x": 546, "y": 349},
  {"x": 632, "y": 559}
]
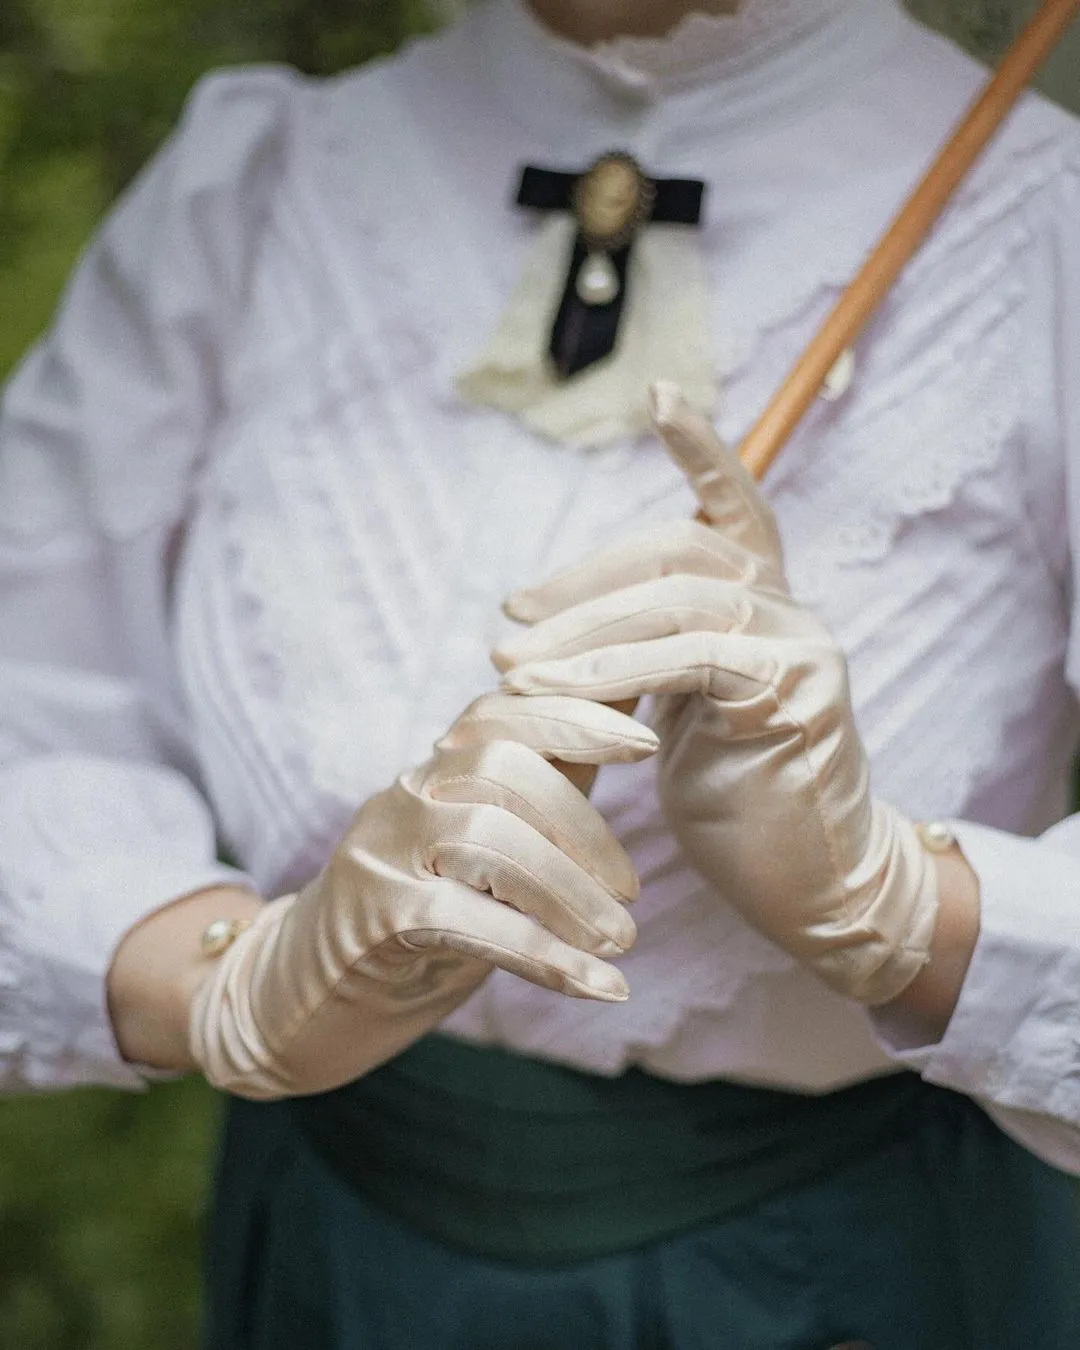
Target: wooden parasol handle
[
  {"x": 858, "y": 303},
  {"x": 855, "y": 307}
]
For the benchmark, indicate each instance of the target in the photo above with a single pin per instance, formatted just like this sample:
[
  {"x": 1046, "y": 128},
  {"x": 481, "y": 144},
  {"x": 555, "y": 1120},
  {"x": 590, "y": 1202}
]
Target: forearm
[
  {"x": 156, "y": 970},
  {"x": 932, "y": 996}
]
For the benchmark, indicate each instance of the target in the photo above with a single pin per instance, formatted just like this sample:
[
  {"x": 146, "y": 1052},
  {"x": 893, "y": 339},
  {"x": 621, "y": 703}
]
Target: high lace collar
[
  {"x": 711, "y": 72},
  {"x": 702, "y": 46}
]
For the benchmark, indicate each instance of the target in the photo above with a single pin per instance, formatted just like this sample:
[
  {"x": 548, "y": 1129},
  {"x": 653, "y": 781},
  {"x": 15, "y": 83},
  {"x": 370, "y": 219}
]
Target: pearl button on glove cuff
[
  {"x": 221, "y": 934},
  {"x": 483, "y": 856},
  {"x": 763, "y": 777}
]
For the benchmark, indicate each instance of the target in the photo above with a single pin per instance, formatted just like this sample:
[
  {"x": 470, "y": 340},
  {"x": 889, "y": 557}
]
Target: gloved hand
[
  {"x": 483, "y": 856},
  {"x": 763, "y": 777}
]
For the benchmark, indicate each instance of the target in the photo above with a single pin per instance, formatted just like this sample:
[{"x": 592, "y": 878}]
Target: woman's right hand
[{"x": 483, "y": 856}]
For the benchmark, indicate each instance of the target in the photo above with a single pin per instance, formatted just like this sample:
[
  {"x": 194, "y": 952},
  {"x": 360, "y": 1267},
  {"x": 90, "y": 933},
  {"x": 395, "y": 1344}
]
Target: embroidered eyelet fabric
[{"x": 253, "y": 545}]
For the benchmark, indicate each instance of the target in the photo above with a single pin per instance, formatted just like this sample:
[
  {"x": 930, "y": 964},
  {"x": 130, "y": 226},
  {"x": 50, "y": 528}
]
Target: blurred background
[{"x": 102, "y": 1195}]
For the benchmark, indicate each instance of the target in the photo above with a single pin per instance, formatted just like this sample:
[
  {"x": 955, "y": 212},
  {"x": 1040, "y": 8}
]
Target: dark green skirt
[{"x": 911, "y": 1223}]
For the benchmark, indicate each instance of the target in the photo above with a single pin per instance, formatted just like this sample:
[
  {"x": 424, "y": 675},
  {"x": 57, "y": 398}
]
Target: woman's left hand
[{"x": 763, "y": 776}]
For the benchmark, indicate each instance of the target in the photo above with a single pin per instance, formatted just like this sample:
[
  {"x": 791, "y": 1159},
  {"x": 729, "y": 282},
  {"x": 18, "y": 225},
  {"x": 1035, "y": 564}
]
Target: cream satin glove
[
  {"x": 763, "y": 776},
  {"x": 483, "y": 856}
]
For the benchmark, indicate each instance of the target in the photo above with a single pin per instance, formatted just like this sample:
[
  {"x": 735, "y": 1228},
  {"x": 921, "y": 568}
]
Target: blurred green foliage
[
  {"x": 101, "y": 1211},
  {"x": 88, "y": 88},
  {"x": 102, "y": 1195}
]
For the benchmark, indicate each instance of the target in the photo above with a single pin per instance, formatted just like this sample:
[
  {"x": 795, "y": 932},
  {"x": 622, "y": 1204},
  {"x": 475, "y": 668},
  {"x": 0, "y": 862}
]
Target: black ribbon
[{"x": 583, "y": 334}]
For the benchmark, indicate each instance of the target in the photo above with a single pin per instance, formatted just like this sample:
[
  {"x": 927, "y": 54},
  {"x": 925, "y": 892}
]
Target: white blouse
[{"x": 253, "y": 545}]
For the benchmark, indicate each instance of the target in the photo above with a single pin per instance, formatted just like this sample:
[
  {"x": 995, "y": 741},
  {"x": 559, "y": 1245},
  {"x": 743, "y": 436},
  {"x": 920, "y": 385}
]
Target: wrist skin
[
  {"x": 931, "y": 998},
  {"x": 157, "y": 968}
]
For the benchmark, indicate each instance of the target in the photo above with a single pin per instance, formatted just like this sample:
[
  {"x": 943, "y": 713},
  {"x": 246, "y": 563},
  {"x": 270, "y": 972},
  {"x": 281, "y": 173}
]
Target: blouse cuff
[
  {"x": 1013, "y": 1036},
  {"x": 87, "y": 849}
]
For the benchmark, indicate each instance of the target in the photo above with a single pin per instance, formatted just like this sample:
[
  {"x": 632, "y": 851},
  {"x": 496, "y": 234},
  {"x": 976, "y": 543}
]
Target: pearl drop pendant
[{"x": 597, "y": 282}]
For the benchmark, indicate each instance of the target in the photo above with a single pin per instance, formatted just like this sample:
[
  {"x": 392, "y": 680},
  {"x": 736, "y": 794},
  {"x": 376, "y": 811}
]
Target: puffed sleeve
[
  {"x": 102, "y": 431},
  {"x": 1014, "y": 1040}
]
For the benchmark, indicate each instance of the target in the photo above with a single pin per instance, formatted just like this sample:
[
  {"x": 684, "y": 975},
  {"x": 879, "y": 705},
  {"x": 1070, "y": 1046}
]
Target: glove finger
[
  {"x": 498, "y": 853},
  {"x": 730, "y": 667},
  {"x": 730, "y": 499},
  {"x": 476, "y": 925},
  {"x": 675, "y": 546},
  {"x": 521, "y": 785},
  {"x": 573, "y": 730},
  {"x": 651, "y": 609}
]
